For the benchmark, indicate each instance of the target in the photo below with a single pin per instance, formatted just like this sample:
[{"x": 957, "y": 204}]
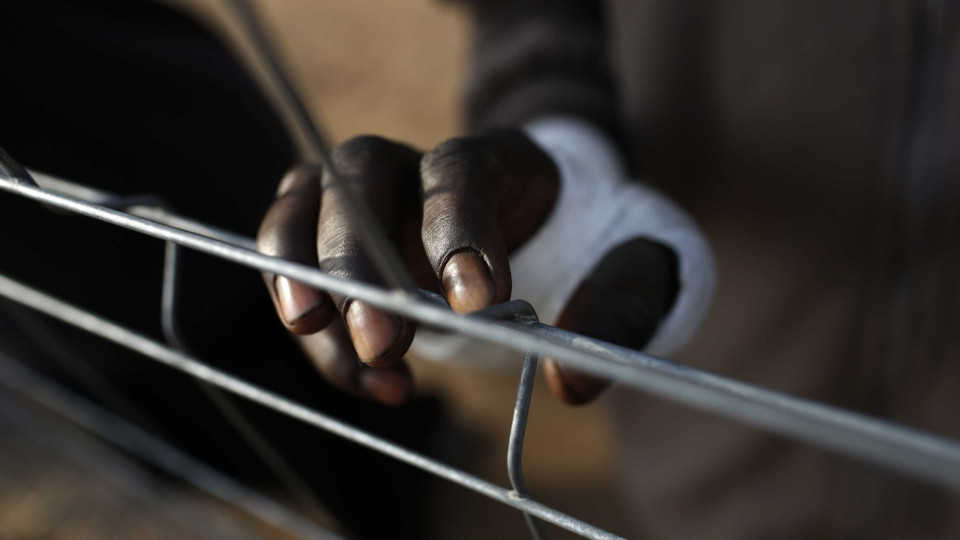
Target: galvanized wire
[
  {"x": 125, "y": 337},
  {"x": 270, "y": 456},
  {"x": 923, "y": 455},
  {"x": 933, "y": 458},
  {"x": 314, "y": 147},
  {"x": 16, "y": 376},
  {"x": 169, "y": 309}
]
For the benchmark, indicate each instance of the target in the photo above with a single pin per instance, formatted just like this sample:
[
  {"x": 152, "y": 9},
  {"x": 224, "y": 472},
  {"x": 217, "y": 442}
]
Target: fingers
[
  {"x": 622, "y": 302},
  {"x": 334, "y": 356},
  {"x": 481, "y": 196},
  {"x": 289, "y": 230},
  {"x": 384, "y": 176}
]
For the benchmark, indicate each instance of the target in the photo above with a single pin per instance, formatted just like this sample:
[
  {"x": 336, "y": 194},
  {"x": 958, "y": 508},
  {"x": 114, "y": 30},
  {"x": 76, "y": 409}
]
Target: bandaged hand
[{"x": 525, "y": 214}]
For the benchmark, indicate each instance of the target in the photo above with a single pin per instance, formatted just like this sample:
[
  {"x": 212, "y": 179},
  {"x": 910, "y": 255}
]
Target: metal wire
[
  {"x": 72, "y": 363},
  {"x": 25, "y": 426},
  {"x": 314, "y": 148},
  {"x": 523, "y": 311},
  {"x": 923, "y": 455},
  {"x": 37, "y": 388},
  {"x": 152, "y": 349},
  {"x": 169, "y": 309}
]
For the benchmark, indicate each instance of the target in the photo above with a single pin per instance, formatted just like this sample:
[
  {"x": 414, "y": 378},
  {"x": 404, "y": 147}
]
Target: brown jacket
[{"x": 818, "y": 144}]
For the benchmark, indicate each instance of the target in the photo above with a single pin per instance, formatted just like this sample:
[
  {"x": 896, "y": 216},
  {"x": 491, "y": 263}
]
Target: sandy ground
[{"x": 394, "y": 67}]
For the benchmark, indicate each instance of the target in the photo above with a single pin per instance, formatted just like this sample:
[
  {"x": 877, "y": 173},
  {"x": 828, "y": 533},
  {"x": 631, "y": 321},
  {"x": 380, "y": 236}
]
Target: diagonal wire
[
  {"x": 116, "y": 472},
  {"x": 125, "y": 337},
  {"x": 926, "y": 456},
  {"x": 169, "y": 309},
  {"x": 76, "y": 365},
  {"x": 37, "y": 388},
  {"x": 13, "y": 171},
  {"x": 169, "y": 304},
  {"x": 315, "y": 148},
  {"x": 923, "y": 455}
]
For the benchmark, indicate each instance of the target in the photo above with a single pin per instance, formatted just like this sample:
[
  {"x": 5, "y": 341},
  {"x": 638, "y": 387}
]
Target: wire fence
[{"x": 513, "y": 325}]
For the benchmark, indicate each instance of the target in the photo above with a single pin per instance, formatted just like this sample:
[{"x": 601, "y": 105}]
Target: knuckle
[
  {"x": 356, "y": 155},
  {"x": 438, "y": 222},
  {"x": 459, "y": 159},
  {"x": 338, "y": 240},
  {"x": 382, "y": 171}
]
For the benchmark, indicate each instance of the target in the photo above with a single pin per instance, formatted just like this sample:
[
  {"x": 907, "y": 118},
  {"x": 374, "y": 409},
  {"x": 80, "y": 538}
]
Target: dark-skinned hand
[{"x": 454, "y": 213}]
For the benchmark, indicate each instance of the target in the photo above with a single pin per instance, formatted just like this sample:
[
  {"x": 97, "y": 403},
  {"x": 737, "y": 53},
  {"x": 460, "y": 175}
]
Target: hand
[{"x": 454, "y": 214}]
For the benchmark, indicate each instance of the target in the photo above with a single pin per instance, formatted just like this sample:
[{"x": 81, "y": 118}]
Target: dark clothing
[
  {"x": 818, "y": 143},
  {"x": 133, "y": 97}
]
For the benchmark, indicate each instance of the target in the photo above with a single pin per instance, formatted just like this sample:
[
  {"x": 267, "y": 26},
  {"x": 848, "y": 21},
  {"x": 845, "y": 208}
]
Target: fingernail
[
  {"x": 373, "y": 332},
  {"x": 385, "y": 385},
  {"x": 296, "y": 300},
  {"x": 467, "y": 281}
]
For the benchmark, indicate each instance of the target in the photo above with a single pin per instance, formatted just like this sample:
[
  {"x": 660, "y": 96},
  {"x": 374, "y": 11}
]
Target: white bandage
[{"x": 596, "y": 211}]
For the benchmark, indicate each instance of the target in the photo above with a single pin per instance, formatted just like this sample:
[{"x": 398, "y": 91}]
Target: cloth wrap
[{"x": 597, "y": 209}]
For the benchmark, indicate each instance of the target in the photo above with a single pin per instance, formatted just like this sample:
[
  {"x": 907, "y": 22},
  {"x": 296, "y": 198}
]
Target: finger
[
  {"x": 481, "y": 196},
  {"x": 289, "y": 231},
  {"x": 383, "y": 175},
  {"x": 621, "y": 302},
  {"x": 334, "y": 356}
]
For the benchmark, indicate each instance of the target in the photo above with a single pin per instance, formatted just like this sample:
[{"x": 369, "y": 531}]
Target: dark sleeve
[{"x": 537, "y": 57}]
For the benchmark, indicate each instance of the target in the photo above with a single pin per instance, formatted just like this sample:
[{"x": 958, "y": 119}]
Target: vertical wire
[
  {"x": 267, "y": 453},
  {"x": 164, "y": 354},
  {"x": 48, "y": 340},
  {"x": 518, "y": 428},
  {"x": 523, "y": 312},
  {"x": 106, "y": 390}
]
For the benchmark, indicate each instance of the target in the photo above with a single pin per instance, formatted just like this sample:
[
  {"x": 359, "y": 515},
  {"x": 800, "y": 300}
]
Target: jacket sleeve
[{"x": 532, "y": 58}]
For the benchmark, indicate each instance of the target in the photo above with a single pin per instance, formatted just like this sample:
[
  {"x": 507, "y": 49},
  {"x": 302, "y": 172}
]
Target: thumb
[{"x": 622, "y": 301}]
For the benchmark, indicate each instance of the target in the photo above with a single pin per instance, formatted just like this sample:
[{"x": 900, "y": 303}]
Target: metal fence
[{"x": 513, "y": 325}]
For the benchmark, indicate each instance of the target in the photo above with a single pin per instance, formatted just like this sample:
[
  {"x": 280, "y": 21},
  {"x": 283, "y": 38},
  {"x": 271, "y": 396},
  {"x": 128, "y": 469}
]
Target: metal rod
[
  {"x": 26, "y": 426},
  {"x": 923, "y": 455},
  {"x": 21, "y": 379},
  {"x": 74, "y": 365},
  {"x": 518, "y": 429},
  {"x": 152, "y": 349},
  {"x": 169, "y": 310},
  {"x": 522, "y": 311},
  {"x": 315, "y": 149}
]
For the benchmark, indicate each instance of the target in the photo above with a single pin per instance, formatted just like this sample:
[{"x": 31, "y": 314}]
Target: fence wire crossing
[
  {"x": 36, "y": 388},
  {"x": 923, "y": 455},
  {"x": 513, "y": 325}
]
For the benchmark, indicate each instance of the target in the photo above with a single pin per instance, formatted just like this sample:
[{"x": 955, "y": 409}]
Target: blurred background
[{"x": 366, "y": 66}]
